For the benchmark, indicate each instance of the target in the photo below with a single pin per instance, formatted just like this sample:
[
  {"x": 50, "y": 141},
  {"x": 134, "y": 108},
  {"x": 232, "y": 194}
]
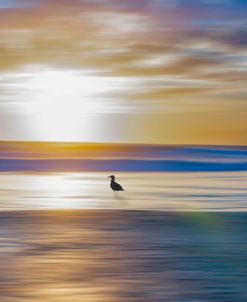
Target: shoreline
[{"x": 114, "y": 214}]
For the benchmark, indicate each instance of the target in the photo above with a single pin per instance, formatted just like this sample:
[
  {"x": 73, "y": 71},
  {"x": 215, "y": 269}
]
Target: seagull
[{"x": 114, "y": 185}]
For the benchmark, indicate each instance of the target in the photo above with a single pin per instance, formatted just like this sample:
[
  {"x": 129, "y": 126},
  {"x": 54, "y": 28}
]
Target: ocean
[
  {"x": 169, "y": 237},
  {"x": 163, "y": 191},
  {"x": 119, "y": 256}
]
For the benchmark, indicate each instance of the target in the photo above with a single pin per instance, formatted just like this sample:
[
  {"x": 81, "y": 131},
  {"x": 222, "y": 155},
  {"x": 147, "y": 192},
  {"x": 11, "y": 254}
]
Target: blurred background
[
  {"x": 144, "y": 71},
  {"x": 152, "y": 91}
]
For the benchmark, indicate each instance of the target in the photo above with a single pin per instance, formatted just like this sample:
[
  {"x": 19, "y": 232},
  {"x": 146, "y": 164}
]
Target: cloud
[{"x": 180, "y": 56}]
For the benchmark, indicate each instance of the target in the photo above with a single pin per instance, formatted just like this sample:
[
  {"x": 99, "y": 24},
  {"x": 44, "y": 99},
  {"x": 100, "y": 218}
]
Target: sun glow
[{"x": 63, "y": 103}]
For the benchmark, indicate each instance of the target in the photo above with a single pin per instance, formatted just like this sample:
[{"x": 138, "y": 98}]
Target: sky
[{"x": 143, "y": 71}]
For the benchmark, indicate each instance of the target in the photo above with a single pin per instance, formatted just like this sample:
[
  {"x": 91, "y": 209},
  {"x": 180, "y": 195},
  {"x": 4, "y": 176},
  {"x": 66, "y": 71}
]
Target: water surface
[
  {"x": 179, "y": 237},
  {"x": 208, "y": 191},
  {"x": 120, "y": 256}
]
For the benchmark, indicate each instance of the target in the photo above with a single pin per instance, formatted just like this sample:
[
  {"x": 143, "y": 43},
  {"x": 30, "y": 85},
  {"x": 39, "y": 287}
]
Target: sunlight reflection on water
[
  {"x": 149, "y": 191},
  {"x": 113, "y": 253},
  {"x": 119, "y": 256}
]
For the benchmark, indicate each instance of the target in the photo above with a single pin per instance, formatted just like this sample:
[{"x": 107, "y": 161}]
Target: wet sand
[{"x": 117, "y": 255}]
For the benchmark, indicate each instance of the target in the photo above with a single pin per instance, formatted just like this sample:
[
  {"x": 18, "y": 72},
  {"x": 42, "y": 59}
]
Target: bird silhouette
[{"x": 114, "y": 185}]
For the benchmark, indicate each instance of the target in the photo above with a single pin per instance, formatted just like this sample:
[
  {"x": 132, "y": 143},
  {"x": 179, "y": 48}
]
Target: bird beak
[{"x": 108, "y": 176}]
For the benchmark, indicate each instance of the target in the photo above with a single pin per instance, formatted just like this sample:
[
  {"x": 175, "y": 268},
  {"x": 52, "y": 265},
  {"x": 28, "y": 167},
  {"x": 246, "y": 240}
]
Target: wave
[{"x": 119, "y": 165}]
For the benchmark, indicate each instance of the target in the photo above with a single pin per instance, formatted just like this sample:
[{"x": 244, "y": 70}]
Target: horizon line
[{"x": 120, "y": 143}]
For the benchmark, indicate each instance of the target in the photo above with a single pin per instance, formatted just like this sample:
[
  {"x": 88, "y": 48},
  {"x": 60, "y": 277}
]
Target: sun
[
  {"x": 62, "y": 102},
  {"x": 65, "y": 104}
]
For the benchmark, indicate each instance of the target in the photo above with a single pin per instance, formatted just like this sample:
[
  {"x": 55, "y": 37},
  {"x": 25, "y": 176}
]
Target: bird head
[{"x": 112, "y": 177}]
